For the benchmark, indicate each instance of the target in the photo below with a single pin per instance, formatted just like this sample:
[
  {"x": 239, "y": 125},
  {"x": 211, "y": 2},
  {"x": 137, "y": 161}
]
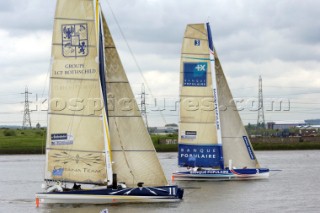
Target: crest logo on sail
[
  {"x": 195, "y": 74},
  {"x": 74, "y": 40}
]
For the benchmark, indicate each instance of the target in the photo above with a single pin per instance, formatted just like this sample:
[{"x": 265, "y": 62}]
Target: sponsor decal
[
  {"x": 61, "y": 139},
  {"x": 74, "y": 40},
  {"x": 197, "y": 42},
  {"x": 200, "y": 155},
  {"x": 250, "y": 151},
  {"x": 195, "y": 74},
  {"x": 216, "y": 107},
  {"x": 189, "y": 135},
  {"x": 57, "y": 172},
  {"x": 210, "y": 172}
]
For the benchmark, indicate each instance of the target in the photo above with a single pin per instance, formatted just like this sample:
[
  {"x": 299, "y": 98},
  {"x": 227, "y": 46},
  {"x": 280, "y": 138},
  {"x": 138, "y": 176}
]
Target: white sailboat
[
  {"x": 94, "y": 153},
  {"x": 213, "y": 143}
]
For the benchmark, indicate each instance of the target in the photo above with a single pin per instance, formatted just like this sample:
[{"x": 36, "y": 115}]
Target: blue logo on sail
[
  {"x": 246, "y": 141},
  {"x": 200, "y": 155},
  {"x": 197, "y": 42},
  {"x": 74, "y": 40},
  {"x": 195, "y": 74},
  {"x": 57, "y": 172}
]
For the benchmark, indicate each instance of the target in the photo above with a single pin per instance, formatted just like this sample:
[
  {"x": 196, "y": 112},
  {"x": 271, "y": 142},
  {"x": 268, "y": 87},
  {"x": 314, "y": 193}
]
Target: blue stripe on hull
[{"x": 225, "y": 174}]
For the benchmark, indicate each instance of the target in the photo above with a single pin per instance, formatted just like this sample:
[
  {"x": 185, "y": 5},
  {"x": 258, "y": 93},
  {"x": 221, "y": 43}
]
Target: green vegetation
[
  {"x": 32, "y": 141},
  {"x": 22, "y": 141},
  {"x": 286, "y": 146},
  {"x": 262, "y": 143},
  {"x": 164, "y": 147}
]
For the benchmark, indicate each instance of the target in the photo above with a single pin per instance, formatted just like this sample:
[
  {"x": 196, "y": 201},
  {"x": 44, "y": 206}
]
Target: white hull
[{"x": 99, "y": 199}]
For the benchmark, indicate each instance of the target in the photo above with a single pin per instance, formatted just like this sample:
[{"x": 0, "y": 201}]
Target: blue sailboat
[{"x": 213, "y": 143}]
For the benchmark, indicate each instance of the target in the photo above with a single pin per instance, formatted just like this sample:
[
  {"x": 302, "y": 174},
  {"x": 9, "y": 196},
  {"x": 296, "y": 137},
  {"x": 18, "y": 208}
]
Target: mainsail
[
  {"x": 133, "y": 154},
  {"x": 198, "y": 139},
  {"x": 75, "y": 139}
]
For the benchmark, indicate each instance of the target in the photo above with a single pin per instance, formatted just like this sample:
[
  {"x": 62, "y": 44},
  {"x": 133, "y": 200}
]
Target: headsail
[
  {"x": 198, "y": 141},
  {"x": 135, "y": 159},
  {"x": 236, "y": 143},
  {"x": 75, "y": 139}
]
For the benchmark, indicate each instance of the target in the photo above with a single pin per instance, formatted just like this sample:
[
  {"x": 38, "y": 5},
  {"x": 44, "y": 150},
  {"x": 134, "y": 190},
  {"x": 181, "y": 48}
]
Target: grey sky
[{"x": 277, "y": 39}]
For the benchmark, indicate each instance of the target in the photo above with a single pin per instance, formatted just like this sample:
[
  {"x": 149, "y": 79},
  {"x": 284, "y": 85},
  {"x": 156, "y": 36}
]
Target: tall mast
[
  {"x": 102, "y": 67},
  {"x": 215, "y": 92}
]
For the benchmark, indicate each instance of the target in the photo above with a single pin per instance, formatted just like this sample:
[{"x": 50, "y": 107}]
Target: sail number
[{"x": 172, "y": 191}]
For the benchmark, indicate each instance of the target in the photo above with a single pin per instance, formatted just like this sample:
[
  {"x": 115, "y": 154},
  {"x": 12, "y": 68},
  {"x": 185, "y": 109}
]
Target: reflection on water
[{"x": 293, "y": 189}]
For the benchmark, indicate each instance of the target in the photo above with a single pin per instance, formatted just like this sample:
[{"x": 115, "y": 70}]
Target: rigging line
[
  {"x": 124, "y": 152},
  {"x": 133, "y": 56}
]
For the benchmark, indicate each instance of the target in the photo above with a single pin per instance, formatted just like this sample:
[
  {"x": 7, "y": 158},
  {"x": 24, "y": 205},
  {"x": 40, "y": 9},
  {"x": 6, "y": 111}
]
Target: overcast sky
[{"x": 277, "y": 39}]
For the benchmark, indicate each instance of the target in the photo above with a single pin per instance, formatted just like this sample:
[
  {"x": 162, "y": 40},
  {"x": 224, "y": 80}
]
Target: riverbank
[
  {"x": 261, "y": 143},
  {"x": 22, "y": 141},
  {"x": 32, "y": 141}
]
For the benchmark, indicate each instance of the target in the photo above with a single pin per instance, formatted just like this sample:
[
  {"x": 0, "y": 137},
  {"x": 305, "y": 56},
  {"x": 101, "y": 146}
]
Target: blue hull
[
  {"x": 108, "y": 195},
  {"x": 223, "y": 174}
]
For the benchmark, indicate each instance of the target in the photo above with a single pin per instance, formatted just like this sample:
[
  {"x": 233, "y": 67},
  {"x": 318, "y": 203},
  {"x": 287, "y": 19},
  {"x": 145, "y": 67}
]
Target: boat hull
[
  {"x": 105, "y": 196},
  {"x": 226, "y": 174}
]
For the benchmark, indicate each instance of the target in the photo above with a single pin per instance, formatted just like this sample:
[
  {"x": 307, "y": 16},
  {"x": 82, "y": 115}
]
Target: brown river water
[{"x": 294, "y": 189}]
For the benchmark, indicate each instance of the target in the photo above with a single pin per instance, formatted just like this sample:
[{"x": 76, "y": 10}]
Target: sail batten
[
  {"x": 74, "y": 19},
  {"x": 94, "y": 151},
  {"x": 95, "y": 116}
]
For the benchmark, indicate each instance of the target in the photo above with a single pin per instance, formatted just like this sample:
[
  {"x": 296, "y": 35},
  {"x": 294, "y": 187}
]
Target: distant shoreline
[
  {"x": 32, "y": 141},
  {"x": 16, "y": 150}
]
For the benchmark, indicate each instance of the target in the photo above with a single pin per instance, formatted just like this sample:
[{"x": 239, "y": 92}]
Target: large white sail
[
  {"x": 236, "y": 143},
  {"x": 198, "y": 141},
  {"x": 75, "y": 139},
  {"x": 133, "y": 154}
]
